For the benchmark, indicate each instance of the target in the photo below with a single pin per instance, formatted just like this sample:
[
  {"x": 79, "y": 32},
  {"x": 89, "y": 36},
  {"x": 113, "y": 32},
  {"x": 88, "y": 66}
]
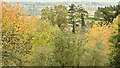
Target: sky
[{"x": 60, "y": 0}]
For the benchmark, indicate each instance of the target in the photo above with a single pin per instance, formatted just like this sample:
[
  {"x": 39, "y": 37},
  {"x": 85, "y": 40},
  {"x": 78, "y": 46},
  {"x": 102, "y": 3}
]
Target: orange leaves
[
  {"x": 13, "y": 7},
  {"x": 32, "y": 17},
  {"x": 4, "y": 3},
  {"x": 15, "y": 22},
  {"x": 9, "y": 5},
  {"x": 18, "y": 4},
  {"x": 21, "y": 9}
]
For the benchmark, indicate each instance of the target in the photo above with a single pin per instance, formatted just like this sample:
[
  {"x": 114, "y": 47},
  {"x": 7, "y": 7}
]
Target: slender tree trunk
[
  {"x": 83, "y": 22},
  {"x": 73, "y": 27}
]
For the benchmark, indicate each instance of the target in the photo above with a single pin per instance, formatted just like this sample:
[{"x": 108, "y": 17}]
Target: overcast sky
[{"x": 59, "y": 0}]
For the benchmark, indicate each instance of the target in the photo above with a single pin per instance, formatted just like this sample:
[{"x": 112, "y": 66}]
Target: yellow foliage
[{"x": 98, "y": 38}]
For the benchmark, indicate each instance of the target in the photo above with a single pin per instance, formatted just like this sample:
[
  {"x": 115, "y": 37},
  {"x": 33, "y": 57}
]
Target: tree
[
  {"x": 81, "y": 13},
  {"x": 118, "y": 43},
  {"x": 57, "y": 15},
  {"x": 16, "y": 35},
  {"x": 43, "y": 44},
  {"x": 98, "y": 40},
  {"x": 115, "y": 40},
  {"x": 117, "y": 57},
  {"x": 75, "y": 50},
  {"x": 72, "y": 11},
  {"x": 83, "y": 22},
  {"x": 77, "y": 12},
  {"x": 107, "y": 13},
  {"x": 116, "y": 46},
  {"x": 115, "y": 43},
  {"x": 68, "y": 52}
]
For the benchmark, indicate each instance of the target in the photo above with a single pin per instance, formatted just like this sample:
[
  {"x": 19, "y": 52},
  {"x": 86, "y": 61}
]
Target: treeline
[
  {"x": 46, "y": 41},
  {"x": 107, "y": 13}
]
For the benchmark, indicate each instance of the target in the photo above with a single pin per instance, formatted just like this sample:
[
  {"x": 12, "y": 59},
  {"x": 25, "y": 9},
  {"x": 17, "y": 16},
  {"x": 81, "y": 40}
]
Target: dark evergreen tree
[
  {"x": 81, "y": 13},
  {"x": 72, "y": 15},
  {"x": 77, "y": 12}
]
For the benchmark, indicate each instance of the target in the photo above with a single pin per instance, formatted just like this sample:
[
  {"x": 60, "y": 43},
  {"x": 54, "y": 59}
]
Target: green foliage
[
  {"x": 44, "y": 32},
  {"x": 80, "y": 11},
  {"x": 43, "y": 44},
  {"x": 107, "y": 13},
  {"x": 71, "y": 50},
  {"x": 67, "y": 49},
  {"x": 55, "y": 15},
  {"x": 115, "y": 40}
]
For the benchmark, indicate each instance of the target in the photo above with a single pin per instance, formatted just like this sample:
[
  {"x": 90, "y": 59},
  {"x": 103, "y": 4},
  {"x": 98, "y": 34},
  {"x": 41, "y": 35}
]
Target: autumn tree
[
  {"x": 16, "y": 34},
  {"x": 98, "y": 40}
]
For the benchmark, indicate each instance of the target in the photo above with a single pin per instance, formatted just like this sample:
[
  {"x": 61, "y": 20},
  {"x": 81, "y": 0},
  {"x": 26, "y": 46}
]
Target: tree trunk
[
  {"x": 73, "y": 27},
  {"x": 83, "y": 22}
]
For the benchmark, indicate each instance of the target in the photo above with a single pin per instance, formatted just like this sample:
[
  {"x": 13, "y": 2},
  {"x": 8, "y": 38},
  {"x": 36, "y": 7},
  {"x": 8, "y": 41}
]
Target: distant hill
[{"x": 35, "y": 7}]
